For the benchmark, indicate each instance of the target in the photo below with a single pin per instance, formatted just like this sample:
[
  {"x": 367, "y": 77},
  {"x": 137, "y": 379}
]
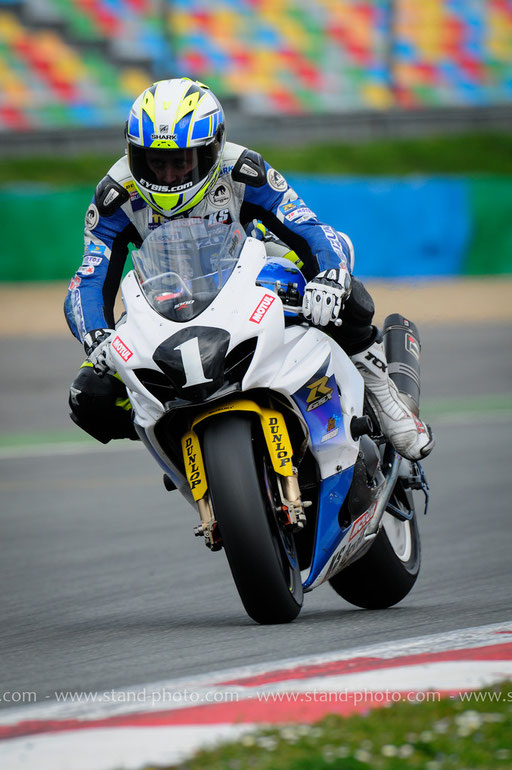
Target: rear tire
[
  {"x": 387, "y": 572},
  {"x": 261, "y": 554}
]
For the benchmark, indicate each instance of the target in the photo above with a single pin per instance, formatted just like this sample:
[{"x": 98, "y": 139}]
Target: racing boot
[
  {"x": 410, "y": 436},
  {"x": 100, "y": 405}
]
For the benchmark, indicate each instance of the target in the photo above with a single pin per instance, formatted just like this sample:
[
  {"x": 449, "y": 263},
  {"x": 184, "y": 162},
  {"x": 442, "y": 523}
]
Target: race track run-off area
[{"x": 163, "y": 723}]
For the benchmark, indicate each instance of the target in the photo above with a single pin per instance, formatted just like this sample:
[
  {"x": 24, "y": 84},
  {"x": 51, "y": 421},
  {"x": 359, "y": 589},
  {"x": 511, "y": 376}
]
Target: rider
[{"x": 177, "y": 165}]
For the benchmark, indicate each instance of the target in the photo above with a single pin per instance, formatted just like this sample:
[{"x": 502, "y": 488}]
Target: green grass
[
  {"x": 469, "y": 154},
  {"x": 472, "y": 154},
  {"x": 449, "y": 734}
]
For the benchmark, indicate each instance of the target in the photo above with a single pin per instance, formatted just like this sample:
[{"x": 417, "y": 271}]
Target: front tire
[
  {"x": 386, "y": 573},
  {"x": 261, "y": 554}
]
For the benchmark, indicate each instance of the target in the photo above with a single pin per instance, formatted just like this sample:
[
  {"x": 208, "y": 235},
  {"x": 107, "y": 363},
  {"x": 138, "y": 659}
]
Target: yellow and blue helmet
[{"x": 175, "y": 137}]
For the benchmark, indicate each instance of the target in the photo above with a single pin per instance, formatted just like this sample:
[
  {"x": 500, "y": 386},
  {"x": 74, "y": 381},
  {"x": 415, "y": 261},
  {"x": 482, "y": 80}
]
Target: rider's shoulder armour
[
  {"x": 109, "y": 196},
  {"x": 250, "y": 169}
]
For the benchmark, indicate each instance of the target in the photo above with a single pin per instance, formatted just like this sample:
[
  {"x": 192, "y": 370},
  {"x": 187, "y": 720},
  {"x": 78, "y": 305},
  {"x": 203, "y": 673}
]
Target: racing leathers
[{"x": 247, "y": 189}]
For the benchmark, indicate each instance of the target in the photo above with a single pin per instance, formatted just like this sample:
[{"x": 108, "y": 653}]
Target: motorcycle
[{"x": 260, "y": 421}]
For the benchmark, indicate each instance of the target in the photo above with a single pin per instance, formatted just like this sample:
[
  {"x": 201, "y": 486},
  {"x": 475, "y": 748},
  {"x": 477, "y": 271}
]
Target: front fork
[{"x": 280, "y": 450}]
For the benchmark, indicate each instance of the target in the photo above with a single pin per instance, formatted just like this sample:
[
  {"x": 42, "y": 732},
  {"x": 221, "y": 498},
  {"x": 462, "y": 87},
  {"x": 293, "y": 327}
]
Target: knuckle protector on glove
[{"x": 325, "y": 294}]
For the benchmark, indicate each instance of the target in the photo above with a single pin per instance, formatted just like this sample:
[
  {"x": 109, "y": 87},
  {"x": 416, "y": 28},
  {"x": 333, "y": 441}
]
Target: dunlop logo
[{"x": 279, "y": 442}]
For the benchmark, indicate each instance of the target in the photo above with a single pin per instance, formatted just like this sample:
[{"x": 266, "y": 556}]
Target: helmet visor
[{"x": 164, "y": 171}]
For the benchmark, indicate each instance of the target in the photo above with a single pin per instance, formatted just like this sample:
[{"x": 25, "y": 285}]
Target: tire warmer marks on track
[{"x": 156, "y": 727}]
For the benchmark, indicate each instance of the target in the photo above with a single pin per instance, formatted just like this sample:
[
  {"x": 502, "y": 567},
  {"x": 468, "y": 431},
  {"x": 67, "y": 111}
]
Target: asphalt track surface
[{"x": 103, "y": 584}]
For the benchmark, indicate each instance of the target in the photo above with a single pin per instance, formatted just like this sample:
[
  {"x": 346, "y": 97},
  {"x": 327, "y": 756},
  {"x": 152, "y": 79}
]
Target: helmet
[{"x": 175, "y": 137}]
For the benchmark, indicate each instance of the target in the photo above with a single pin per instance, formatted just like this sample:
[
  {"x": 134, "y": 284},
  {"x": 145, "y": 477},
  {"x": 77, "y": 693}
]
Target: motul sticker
[
  {"x": 262, "y": 308},
  {"x": 121, "y": 349}
]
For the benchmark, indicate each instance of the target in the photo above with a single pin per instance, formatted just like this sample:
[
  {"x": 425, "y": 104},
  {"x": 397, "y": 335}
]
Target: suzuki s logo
[
  {"x": 121, "y": 349},
  {"x": 262, "y": 308},
  {"x": 319, "y": 393}
]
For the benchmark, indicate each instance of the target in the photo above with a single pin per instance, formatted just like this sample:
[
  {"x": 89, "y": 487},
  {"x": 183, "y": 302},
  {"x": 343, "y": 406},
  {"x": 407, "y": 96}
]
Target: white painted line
[
  {"x": 65, "y": 448},
  {"x": 149, "y": 697},
  {"x": 106, "y": 749}
]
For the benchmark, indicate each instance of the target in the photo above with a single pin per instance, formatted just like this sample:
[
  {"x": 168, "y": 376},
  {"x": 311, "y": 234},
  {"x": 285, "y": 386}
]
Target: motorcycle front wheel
[
  {"x": 243, "y": 490},
  {"x": 389, "y": 569}
]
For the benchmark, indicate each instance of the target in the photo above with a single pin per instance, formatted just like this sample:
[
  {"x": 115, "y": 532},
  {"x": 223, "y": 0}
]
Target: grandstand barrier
[{"x": 415, "y": 227}]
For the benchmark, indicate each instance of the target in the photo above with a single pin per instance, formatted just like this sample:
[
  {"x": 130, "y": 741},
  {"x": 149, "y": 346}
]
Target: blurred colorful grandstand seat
[
  {"x": 81, "y": 62},
  {"x": 298, "y": 56},
  {"x": 452, "y": 52}
]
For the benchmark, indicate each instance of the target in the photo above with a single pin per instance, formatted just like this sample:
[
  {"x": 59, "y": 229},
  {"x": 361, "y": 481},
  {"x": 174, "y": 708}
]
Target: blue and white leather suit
[{"x": 247, "y": 188}]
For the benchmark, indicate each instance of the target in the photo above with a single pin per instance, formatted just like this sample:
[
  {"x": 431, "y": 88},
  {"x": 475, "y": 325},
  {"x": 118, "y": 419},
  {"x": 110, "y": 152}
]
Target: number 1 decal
[{"x": 192, "y": 364}]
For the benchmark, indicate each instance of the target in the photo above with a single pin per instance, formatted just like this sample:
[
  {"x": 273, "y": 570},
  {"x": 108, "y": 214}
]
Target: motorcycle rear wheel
[
  {"x": 261, "y": 554},
  {"x": 386, "y": 573}
]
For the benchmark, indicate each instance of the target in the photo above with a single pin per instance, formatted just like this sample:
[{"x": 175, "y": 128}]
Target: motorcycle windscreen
[{"x": 184, "y": 263}]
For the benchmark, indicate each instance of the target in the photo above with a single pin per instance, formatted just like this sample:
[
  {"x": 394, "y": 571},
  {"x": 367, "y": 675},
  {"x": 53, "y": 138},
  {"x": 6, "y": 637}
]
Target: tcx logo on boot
[
  {"x": 378, "y": 364},
  {"x": 121, "y": 349}
]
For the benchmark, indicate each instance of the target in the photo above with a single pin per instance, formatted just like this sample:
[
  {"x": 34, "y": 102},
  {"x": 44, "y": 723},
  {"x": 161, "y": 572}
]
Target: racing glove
[
  {"x": 324, "y": 296},
  {"x": 97, "y": 350}
]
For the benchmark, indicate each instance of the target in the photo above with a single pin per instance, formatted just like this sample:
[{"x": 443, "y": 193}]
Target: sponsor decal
[
  {"x": 235, "y": 240},
  {"x": 95, "y": 248},
  {"x": 278, "y": 446},
  {"x": 220, "y": 195},
  {"x": 130, "y": 187},
  {"x": 377, "y": 363},
  {"x": 165, "y": 136},
  {"x": 276, "y": 180},
  {"x": 303, "y": 212},
  {"x": 334, "y": 422},
  {"x": 218, "y": 217},
  {"x": 332, "y": 237},
  {"x": 121, "y": 349},
  {"x": 289, "y": 203},
  {"x": 182, "y": 305},
  {"x": 319, "y": 393},
  {"x": 194, "y": 467},
  {"x": 91, "y": 260},
  {"x": 92, "y": 217},
  {"x": 262, "y": 308},
  {"x": 111, "y": 196},
  {"x": 245, "y": 169},
  {"x": 155, "y": 219},
  {"x": 336, "y": 561},
  {"x": 412, "y": 345},
  {"x": 331, "y": 434},
  {"x": 419, "y": 425},
  {"x": 225, "y": 170},
  {"x": 78, "y": 312},
  {"x": 163, "y": 188},
  {"x": 361, "y": 523},
  {"x": 163, "y": 128},
  {"x": 137, "y": 202},
  {"x": 74, "y": 283},
  {"x": 86, "y": 269}
]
